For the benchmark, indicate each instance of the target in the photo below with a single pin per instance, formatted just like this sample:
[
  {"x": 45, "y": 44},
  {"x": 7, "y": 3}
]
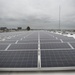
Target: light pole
[{"x": 59, "y": 17}]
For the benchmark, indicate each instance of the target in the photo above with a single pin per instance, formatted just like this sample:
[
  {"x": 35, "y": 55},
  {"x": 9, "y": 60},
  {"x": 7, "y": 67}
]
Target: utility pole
[{"x": 59, "y": 17}]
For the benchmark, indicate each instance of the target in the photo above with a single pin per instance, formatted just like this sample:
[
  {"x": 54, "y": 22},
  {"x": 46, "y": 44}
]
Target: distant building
[
  {"x": 19, "y": 28},
  {"x": 3, "y": 28}
]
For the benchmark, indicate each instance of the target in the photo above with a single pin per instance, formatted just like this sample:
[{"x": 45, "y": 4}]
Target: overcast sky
[{"x": 37, "y": 13}]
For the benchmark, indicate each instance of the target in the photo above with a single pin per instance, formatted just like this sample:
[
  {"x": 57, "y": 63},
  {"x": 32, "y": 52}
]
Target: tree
[{"x": 28, "y": 28}]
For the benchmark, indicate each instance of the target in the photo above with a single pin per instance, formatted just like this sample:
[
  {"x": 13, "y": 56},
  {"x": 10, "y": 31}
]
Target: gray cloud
[{"x": 37, "y": 13}]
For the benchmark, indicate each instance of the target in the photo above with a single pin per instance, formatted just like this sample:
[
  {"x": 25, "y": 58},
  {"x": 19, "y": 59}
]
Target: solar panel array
[{"x": 36, "y": 49}]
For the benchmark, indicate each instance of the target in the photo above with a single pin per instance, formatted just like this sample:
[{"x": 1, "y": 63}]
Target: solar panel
[
  {"x": 31, "y": 37},
  {"x": 30, "y": 41},
  {"x": 73, "y": 44},
  {"x": 18, "y": 59},
  {"x": 7, "y": 41},
  {"x": 14, "y": 38},
  {"x": 54, "y": 46},
  {"x": 72, "y": 41},
  {"x": 43, "y": 41},
  {"x": 34, "y": 36},
  {"x": 46, "y": 37},
  {"x": 23, "y": 46},
  {"x": 3, "y": 46},
  {"x": 66, "y": 38},
  {"x": 57, "y": 58}
]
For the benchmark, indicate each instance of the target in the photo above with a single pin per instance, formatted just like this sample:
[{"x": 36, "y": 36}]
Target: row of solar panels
[
  {"x": 29, "y": 59},
  {"x": 44, "y": 38},
  {"x": 36, "y": 41},
  {"x": 35, "y": 46},
  {"x": 43, "y": 35}
]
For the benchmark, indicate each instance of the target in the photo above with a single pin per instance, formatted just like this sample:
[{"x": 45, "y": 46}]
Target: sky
[{"x": 38, "y": 14}]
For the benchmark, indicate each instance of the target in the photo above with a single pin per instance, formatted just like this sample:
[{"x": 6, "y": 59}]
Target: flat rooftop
[{"x": 38, "y": 51}]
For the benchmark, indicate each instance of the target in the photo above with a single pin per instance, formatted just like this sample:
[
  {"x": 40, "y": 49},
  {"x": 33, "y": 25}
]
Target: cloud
[{"x": 37, "y": 13}]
